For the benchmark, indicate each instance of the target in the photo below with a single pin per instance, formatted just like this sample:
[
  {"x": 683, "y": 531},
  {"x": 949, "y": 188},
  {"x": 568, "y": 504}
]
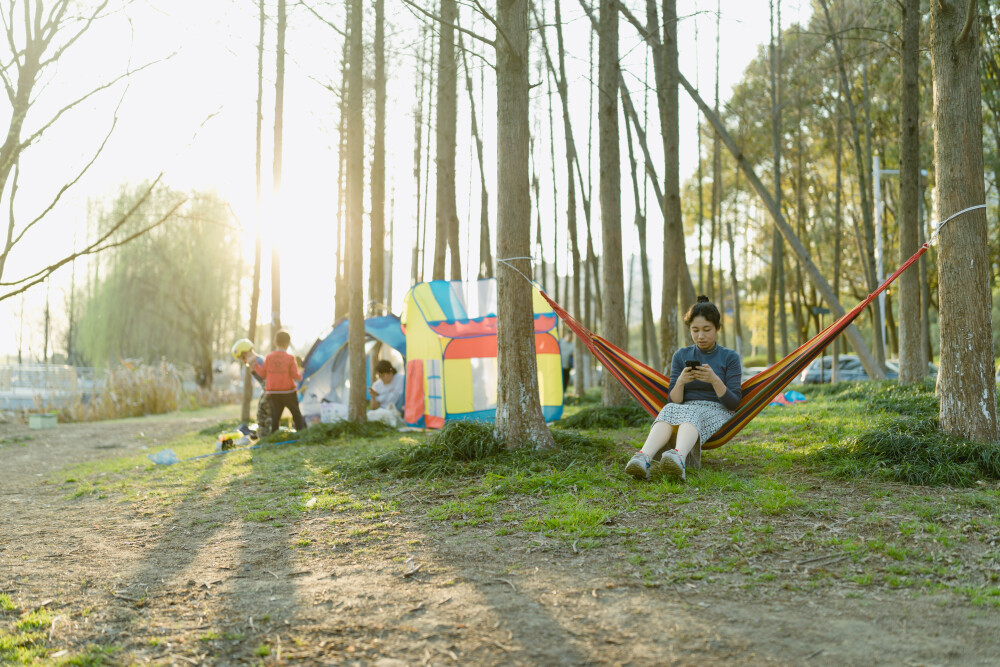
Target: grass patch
[
  {"x": 913, "y": 450},
  {"x": 601, "y": 417}
]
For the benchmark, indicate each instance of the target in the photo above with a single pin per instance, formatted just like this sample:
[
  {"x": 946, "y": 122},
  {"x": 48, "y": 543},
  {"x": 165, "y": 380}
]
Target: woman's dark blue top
[{"x": 725, "y": 363}]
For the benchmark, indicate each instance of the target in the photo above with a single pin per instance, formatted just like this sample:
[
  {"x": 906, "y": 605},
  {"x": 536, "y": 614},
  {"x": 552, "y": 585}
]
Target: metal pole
[{"x": 877, "y": 186}]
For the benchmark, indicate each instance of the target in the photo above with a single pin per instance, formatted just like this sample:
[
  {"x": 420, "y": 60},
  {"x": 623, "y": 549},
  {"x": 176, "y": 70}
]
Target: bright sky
[{"x": 213, "y": 71}]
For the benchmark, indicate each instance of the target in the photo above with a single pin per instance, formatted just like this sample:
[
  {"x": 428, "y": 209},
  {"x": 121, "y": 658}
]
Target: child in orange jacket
[{"x": 280, "y": 371}]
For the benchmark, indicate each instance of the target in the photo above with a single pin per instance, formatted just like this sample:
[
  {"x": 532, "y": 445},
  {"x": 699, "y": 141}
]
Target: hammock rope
[{"x": 650, "y": 387}]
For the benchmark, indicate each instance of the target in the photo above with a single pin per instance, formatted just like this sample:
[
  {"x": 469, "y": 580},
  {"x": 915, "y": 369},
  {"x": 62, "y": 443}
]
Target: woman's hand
[
  {"x": 704, "y": 373},
  {"x": 687, "y": 375}
]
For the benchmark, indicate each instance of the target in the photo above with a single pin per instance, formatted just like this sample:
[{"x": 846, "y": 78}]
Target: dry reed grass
[{"x": 133, "y": 389}]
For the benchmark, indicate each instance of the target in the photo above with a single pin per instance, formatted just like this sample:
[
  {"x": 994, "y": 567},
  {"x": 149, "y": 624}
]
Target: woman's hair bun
[{"x": 702, "y": 299}]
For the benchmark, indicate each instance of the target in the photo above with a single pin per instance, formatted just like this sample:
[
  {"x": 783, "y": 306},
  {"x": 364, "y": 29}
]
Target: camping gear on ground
[
  {"x": 326, "y": 377},
  {"x": 649, "y": 387},
  {"x": 790, "y": 397},
  {"x": 451, "y": 353}
]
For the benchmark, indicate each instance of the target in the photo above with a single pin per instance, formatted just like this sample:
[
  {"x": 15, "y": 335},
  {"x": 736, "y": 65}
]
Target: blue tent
[{"x": 326, "y": 374}]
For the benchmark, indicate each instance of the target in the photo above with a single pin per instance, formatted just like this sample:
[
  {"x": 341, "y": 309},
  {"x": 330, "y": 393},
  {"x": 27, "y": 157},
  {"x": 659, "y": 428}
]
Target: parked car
[{"x": 849, "y": 367}]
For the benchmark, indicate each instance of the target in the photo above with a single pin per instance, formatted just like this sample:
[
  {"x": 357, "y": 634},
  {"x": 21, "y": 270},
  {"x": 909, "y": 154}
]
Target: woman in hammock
[{"x": 704, "y": 391}]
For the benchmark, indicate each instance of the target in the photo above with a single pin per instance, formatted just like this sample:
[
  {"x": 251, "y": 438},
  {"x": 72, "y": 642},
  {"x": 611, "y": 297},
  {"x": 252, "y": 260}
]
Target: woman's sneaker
[
  {"x": 640, "y": 466},
  {"x": 672, "y": 465}
]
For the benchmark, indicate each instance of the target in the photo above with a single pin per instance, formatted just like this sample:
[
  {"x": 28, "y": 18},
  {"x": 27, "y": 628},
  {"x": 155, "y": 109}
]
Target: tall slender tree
[
  {"x": 911, "y": 368},
  {"x": 446, "y": 237},
  {"x": 356, "y": 408},
  {"x": 965, "y": 383},
  {"x": 255, "y": 286},
  {"x": 613, "y": 306},
  {"x": 279, "y": 105},
  {"x": 519, "y": 420},
  {"x": 376, "y": 276}
]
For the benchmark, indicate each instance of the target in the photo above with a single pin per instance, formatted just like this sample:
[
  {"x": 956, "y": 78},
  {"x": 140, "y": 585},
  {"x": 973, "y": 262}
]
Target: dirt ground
[{"x": 202, "y": 586}]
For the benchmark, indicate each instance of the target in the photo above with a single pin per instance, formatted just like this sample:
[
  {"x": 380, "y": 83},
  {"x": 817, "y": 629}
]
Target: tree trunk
[
  {"x": 651, "y": 351},
  {"x": 673, "y": 232},
  {"x": 519, "y": 420},
  {"x": 965, "y": 382},
  {"x": 613, "y": 305},
  {"x": 866, "y": 210},
  {"x": 418, "y": 157},
  {"x": 255, "y": 286},
  {"x": 279, "y": 104},
  {"x": 341, "y": 297},
  {"x": 446, "y": 237},
  {"x": 356, "y": 408},
  {"x": 775, "y": 294},
  {"x": 738, "y": 333},
  {"x": 911, "y": 368},
  {"x": 376, "y": 276},
  {"x": 485, "y": 248},
  {"x": 838, "y": 223},
  {"x": 716, "y": 224},
  {"x": 579, "y": 349}
]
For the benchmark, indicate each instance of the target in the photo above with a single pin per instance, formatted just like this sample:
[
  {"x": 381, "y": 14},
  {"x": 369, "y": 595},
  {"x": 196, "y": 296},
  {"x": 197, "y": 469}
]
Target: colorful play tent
[
  {"x": 451, "y": 353},
  {"x": 326, "y": 373}
]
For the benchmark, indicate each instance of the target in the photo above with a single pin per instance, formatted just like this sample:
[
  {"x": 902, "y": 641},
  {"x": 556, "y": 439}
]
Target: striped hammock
[{"x": 650, "y": 387}]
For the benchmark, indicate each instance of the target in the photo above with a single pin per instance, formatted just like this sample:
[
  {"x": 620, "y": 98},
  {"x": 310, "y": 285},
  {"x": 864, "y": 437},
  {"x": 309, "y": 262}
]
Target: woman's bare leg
[
  {"x": 658, "y": 438},
  {"x": 687, "y": 438}
]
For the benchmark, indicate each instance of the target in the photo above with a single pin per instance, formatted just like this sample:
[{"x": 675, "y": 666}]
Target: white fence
[{"x": 26, "y": 385}]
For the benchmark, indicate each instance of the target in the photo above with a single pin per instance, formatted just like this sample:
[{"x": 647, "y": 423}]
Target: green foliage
[
  {"x": 905, "y": 443},
  {"x": 170, "y": 293},
  {"x": 619, "y": 416}
]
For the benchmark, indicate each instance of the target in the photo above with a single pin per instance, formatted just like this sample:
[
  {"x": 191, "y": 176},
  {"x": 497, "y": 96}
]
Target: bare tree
[
  {"x": 863, "y": 190},
  {"x": 447, "y": 216},
  {"x": 39, "y": 40},
  {"x": 255, "y": 287},
  {"x": 965, "y": 384},
  {"x": 356, "y": 407},
  {"x": 376, "y": 276},
  {"x": 279, "y": 105},
  {"x": 911, "y": 368},
  {"x": 485, "y": 248},
  {"x": 519, "y": 420},
  {"x": 613, "y": 306}
]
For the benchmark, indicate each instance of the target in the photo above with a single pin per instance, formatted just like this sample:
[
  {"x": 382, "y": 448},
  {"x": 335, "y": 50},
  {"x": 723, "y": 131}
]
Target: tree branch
[
  {"x": 972, "y": 13},
  {"x": 67, "y": 186},
  {"x": 323, "y": 20},
  {"x": 489, "y": 17},
  {"x": 38, "y": 133},
  {"x": 434, "y": 17},
  {"x": 22, "y": 285}
]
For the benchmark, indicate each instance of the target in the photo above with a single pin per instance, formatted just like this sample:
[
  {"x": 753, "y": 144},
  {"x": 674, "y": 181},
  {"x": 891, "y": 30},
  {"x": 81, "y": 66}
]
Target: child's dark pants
[{"x": 278, "y": 404}]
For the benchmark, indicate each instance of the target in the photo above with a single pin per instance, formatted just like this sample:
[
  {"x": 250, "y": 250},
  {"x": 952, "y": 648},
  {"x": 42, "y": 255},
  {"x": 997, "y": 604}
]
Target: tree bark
[
  {"x": 418, "y": 157},
  {"x": 279, "y": 104},
  {"x": 911, "y": 368},
  {"x": 579, "y": 349},
  {"x": 446, "y": 237},
  {"x": 376, "y": 276},
  {"x": 613, "y": 305},
  {"x": 863, "y": 190},
  {"x": 673, "y": 232},
  {"x": 965, "y": 382},
  {"x": 255, "y": 287},
  {"x": 485, "y": 247},
  {"x": 519, "y": 420},
  {"x": 356, "y": 408}
]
